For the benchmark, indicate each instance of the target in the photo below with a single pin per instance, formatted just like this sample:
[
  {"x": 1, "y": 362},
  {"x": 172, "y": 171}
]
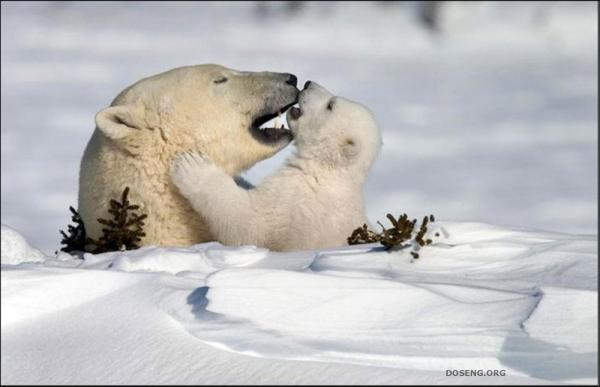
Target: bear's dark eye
[
  {"x": 220, "y": 80},
  {"x": 330, "y": 104}
]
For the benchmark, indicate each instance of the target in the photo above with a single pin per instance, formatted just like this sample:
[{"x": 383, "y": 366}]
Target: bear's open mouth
[{"x": 275, "y": 133}]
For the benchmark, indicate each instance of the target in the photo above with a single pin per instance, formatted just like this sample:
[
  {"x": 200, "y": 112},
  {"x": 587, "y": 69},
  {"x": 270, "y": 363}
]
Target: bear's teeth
[
  {"x": 274, "y": 123},
  {"x": 277, "y": 120}
]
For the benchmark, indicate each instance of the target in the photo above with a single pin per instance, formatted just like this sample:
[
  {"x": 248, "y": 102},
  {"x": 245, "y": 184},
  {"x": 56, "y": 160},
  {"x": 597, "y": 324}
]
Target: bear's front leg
[
  {"x": 191, "y": 173},
  {"x": 217, "y": 198}
]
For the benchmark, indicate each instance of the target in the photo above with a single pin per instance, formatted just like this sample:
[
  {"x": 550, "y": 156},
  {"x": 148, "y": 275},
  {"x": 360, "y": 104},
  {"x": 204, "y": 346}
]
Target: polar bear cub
[{"x": 315, "y": 201}]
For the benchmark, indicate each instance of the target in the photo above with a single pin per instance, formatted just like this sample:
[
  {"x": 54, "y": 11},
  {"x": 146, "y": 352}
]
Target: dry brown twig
[{"x": 395, "y": 237}]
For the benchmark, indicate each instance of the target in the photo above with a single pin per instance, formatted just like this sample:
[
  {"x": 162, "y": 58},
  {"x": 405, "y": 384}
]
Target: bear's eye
[
  {"x": 220, "y": 80},
  {"x": 330, "y": 104}
]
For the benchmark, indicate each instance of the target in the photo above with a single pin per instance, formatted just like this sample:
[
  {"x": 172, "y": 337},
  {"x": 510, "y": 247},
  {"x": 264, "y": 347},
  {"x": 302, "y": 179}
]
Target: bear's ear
[
  {"x": 118, "y": 122},
  {"x": 350, "y": 148}
]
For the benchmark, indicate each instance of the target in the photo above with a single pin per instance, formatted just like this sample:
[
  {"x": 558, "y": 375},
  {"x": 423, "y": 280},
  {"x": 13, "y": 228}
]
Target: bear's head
[
  {"x": 207, "y": 108},
  {"x": 334, "y": 131}
]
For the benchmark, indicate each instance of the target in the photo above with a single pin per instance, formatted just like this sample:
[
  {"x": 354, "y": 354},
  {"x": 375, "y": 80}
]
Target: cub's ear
[
  {"x": 118, "y": 122},
  {"x": 350, "y": 148}
]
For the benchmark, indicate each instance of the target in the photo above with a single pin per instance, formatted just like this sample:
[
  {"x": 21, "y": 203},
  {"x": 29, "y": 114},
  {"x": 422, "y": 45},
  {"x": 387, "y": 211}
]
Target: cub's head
[
  {"x": 207, "y": 108},
  {"x": 333, "y": 130}
]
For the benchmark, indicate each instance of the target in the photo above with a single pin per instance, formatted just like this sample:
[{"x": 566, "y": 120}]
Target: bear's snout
[
  {"x": 292, "y": 80},
  {"x": 295, "y": 112}
]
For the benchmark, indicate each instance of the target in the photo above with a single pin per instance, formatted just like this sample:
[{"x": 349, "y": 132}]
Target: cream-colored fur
[
  {"x": 205, "y": 108},
  {"x": 313, "y": 202}
]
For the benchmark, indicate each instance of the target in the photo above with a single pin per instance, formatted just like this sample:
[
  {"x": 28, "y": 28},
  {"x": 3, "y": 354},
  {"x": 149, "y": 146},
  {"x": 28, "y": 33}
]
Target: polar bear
[
  {"x": 206, "y": 108},
  {"x": 315, "y": 201}
]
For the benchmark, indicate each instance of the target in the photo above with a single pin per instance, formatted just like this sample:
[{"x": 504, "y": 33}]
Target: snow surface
[
  {"x": 493, "y": 120},
  {"x": 481, "y": 297}
]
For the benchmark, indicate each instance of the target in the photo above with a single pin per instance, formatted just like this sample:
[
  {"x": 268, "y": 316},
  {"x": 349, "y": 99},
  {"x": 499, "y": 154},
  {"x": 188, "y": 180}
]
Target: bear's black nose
[
  {"x": 307, "y": 84},
  {"x": 292, "y": 80}
]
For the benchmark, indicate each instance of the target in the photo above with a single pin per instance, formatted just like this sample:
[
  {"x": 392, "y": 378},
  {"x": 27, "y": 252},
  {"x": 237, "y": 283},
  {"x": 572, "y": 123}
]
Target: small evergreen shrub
[{"x": 122, "y": 232}]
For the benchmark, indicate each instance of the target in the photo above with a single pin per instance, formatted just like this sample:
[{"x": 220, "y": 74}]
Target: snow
[
  {"x": 575, "y": 316},
  {"x": 491, "y": 124},
  {"x": 15, "y": 248},
  {"x": 482, "y": 297}
]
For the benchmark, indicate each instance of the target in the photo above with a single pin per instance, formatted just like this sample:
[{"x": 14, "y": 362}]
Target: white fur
[
  {"x": 137, "y": 137},
  {"x": 313, "y": 202}
]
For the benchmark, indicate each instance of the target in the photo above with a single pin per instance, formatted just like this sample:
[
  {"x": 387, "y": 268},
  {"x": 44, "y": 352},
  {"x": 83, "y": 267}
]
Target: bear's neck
[{"x": 316, "y": 169}]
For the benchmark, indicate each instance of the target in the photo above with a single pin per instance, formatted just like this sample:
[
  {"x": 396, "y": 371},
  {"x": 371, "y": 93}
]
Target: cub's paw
[{"x": 189, "y": 169}]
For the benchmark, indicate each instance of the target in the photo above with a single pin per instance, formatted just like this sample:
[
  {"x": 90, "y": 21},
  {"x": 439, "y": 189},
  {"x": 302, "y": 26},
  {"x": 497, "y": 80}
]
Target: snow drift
[
  {"x": 15, "y": 248},
  {"x": 481, "y": 298}
]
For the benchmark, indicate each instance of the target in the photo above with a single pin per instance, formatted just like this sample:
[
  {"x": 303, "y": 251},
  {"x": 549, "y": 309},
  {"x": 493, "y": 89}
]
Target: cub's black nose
[
  {"x": 307, "y": 84},
  {"x": 292, "y": 80}
]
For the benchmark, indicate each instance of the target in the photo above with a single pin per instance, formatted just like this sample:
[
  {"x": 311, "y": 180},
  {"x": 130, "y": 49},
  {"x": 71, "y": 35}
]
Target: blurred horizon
[{"x": 488, "y": 110}]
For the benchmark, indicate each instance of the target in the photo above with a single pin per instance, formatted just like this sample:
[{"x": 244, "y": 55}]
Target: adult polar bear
[{"x": 206, "y": 108}]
